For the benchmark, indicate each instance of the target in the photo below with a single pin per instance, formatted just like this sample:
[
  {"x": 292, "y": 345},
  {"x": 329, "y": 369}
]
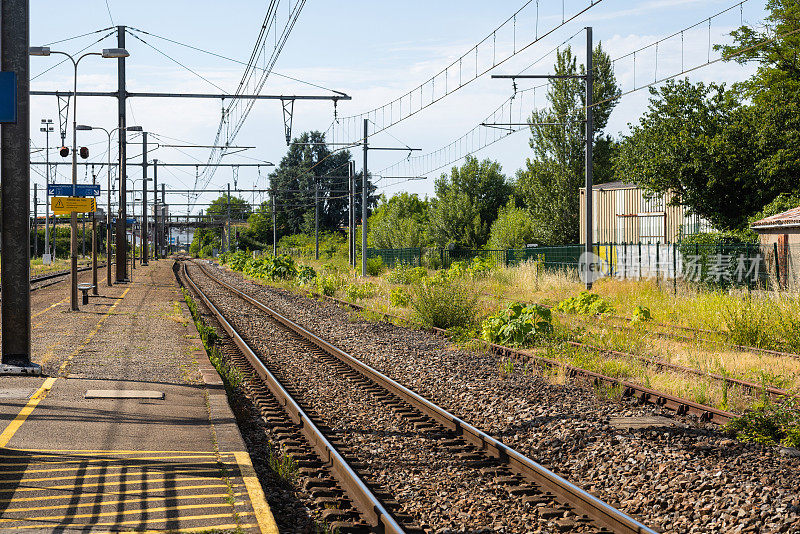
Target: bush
[
  {"x": 375, "y": 266},
  {"x": 361, "y": 291},
  {"x": 513, "y": 228},
  {"x": 399, "y": 298},
  {"x": 327, "y": 285},
  {"x": 768, "y": 424},
  {"x": 405, "y": 274},
  {"x": 641, "y": 314},
  {"x": 432, "y": 259},
  {"x": 480, "y": 267},
  {"x": 586, "y": 304},
  {"x": 305, "y": 274},
  {"x": 445, "y": 305},
  {"x": 517, "y": 325}
]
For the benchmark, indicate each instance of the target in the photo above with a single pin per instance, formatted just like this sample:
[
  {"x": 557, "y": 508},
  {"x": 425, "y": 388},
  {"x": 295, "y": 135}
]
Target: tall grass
[{"x": 446, "y": 304}]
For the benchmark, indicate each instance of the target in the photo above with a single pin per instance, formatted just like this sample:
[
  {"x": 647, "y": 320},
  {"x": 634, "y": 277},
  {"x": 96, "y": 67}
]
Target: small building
[
  {"x": 624, "y": 213},
  {"x": 780, "y": 240}
]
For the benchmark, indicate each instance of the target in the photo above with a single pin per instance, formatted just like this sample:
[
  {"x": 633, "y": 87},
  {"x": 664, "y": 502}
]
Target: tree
[
  {"x": 400, "y": 222},
  {"x": 774, "y": 92},
  {"x": 217, "y": 212},
  {"x": 512, "y": 229},
  {"x": 467, "y": 202},
  {"x": 549, "y": 184},
  {"x": 307, "y": 163},
  {"x": 259, "y": 224},
  {"x": 695, "y": 140}
]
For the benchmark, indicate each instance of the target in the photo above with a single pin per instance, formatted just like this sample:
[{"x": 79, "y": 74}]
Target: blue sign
[
  {"x": 81, "y": 190},
  {"x": 8, "y": 97}
]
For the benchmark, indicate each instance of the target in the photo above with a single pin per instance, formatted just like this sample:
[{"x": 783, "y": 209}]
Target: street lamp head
[
  {"x": 115, "y": 53},
  {"x": 39, "y": 50},
  {"x": 133, "y": 129},
  {"x": 83, "y": 127}
]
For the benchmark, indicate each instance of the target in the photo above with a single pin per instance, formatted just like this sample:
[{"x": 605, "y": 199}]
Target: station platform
[{"x": 130, "y": 429}]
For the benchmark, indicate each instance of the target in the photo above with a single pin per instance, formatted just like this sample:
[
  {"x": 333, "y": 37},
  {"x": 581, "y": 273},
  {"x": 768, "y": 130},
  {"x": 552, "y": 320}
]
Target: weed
[
  {"x": 641, "y": 314},
  {"x": 747, "y": 322},
  {"x": 327, "y": 285},
  {"x": 405, "y": 274},
  {"x": 361, "y": 291},
  {"x": 518, "y": 325},
  {"x": 769, "y": 424},
  {"x": 506, "y": 367},
  {"x": 586, "y": 304},
  {"x": 445, "y": 305},
  {"x": 399, "y": 298},
  {"x": 375, "y": 266},
  {"x": 608, "y": 391},
  {"x": 305, "y": 275}
]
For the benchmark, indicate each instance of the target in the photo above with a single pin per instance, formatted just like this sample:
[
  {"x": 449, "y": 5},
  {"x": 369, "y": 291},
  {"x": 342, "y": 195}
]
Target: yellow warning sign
[{"x": 66, "y": 205}]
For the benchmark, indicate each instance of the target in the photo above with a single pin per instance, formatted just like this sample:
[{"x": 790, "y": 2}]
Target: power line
[{"x": 476, "y": 62}]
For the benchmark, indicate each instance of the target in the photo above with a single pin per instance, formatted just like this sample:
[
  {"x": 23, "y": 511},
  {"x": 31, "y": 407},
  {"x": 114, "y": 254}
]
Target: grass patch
[
  {"x": 769, "y": 424},
  {"x": 445, "y": 304}
]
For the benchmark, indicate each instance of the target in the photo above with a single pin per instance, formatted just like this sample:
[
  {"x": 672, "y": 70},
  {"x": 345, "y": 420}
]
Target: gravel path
[
  {"x": 440, "y": 492},
  {"x": 680, "y": 479}
]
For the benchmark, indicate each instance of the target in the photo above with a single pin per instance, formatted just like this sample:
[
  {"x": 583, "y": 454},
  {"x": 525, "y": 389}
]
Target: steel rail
[
  {"x": 674, "y": 335},
  {"x": 645, "y": 395},
  {"x": 600, "y": 512},
  {"x": 365, "y": 500}
]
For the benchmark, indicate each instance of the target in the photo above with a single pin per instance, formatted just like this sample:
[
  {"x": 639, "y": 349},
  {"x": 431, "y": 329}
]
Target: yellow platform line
[
  {"x": 37, "y": 314},
  {"x": 107, "y": 483},
  {"x": 149, "y": 466},
  {"x": 266, "y": 521},
  {"x": 209, "y": 528},
  {"x": 113, "y": 451},
  {"x": 149, "y": 520},
  {"x": 135, "y": 500},
  {"x": 131, "y": 493},
  {"x": 215, "y": 473},
  {"x": 148, "y": 510},
  {"x": 14, "y": 425}
]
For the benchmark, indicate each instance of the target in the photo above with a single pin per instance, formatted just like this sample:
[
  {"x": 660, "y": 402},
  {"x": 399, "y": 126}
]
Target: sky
[{"x": 373, "y": 51}]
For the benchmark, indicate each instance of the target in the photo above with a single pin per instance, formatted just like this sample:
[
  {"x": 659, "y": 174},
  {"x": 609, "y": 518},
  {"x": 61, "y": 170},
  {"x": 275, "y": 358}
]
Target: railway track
[
  {"x": 491, "y": 467},
  {"x": 691, "y": 334},
  {"x": 644, "y": 394}
]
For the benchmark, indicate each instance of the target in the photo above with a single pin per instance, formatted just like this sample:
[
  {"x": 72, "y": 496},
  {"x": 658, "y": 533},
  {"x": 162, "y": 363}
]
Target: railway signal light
[
  {"x": 64, "y": 151},
  {"x": 84, "y": 152}
]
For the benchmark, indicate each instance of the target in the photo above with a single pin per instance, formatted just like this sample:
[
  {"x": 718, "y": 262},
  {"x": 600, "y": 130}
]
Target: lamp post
[
  {"x": 110, "y": 53},
  {"x": 47, "y": 127},
  {"x": 109, "y": 133}
]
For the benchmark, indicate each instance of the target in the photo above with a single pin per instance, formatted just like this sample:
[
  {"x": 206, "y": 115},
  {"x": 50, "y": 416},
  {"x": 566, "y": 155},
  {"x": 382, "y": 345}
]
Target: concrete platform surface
[{"x": 154, "y": 447}]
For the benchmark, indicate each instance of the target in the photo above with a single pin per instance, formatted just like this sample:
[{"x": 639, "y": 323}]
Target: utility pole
[
  {"x": 350, "y": 217},
  {"x": 589, "y": 144},
  {"x": 274, "y": 228},
  {"x": 35, "y": 221},
  {"x": 15, "y": 195},
  {"x": 155, "y": 209},
  {"x": 47, "y": 128},
  {"x": 145, "y": 254},
  {"x": 364, "y": 206},
  {"x": 164, "y": 246},
  {"x": 94, "y": 243},
  {"x": 316, "y": 218},
  {"x": 122, "y": 217},
  {"x": 227, "y": 229}
]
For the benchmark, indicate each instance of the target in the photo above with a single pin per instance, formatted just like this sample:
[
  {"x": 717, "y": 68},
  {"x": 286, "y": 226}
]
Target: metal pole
[
  {"x": 350, "y": 217},
  {"x": 227, "y": 229},
  {"x": 94, "y": 244},
  {"x": 164, "y": 242},
  {"x": 15, "y": 193},
  {"x": 47, "y": 191},
  {"x": 316, "y": 219},
  {"x": 589, "y": 142},
  {"x": 274, "y": 229},
  {"x": 83, "y": 236},
  {"x": 35, "y": 221},
  {"x": 145, "y": 255},
  {"x": 122, "y": 217},
  {"x": 108, "y": 215},
  {"x": 73, "y": 225},
  {"x": 155, "y": 209},
  {"x": 364, "y": 207}
]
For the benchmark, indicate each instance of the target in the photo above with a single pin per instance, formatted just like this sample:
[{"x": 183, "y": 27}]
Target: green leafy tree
[
  {"x": 399, "y": 222},
  {"x": 549, "y": 184},
  {"x": 695, "y": 140},
  {"x": 512, "y": 229},
  {"x": 467, "y": 202},
  {"x": 309, "y": 163},
  {"x": 217, "y": 213}
]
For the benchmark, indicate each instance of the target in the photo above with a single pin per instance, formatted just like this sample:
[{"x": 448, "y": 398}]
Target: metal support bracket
[{"x": 288, "y": 111}]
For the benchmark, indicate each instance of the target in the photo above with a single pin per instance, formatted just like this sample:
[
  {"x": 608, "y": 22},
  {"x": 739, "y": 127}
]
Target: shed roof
[
  {"x": 619, "y": 184},
  {"x": 787, "y": 218}
]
